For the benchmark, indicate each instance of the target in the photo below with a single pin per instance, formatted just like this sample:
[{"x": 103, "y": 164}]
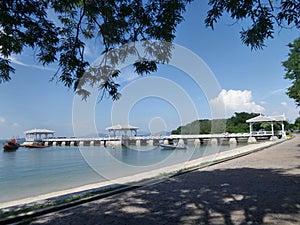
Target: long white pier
[{"x": 155, "y": 140}]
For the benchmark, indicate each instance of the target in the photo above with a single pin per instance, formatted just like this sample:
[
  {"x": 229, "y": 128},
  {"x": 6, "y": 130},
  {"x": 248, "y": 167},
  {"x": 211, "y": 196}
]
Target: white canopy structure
[
  {"x": 122, "y": 130},
  {"x": 38, "y": 134},
  {"x": 267, "y": 119}
]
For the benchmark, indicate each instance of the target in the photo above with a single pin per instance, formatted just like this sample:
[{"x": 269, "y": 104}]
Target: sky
[{"x": 212, "y": 75}]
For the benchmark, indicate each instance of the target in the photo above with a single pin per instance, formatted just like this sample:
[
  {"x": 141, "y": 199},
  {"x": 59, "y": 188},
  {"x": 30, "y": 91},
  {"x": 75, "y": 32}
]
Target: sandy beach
[{"x": 258, "y": 188}]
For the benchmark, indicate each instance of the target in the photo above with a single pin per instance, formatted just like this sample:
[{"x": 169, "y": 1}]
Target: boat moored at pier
[
  {"x": 34, "y": 145},
  {"x": 34, "y": 138},
  {"x": 172, "y": 147},
  {"x": 11, "y": 145}
]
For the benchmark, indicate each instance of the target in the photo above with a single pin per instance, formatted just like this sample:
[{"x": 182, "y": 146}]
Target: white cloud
[
  {"x": 263, "y": 102},
  {"x": 15, "y": 124},
  {"x": 127, "y": 75},
  {"x": 2, "y": 119},
  {"x": 283, "y": 103},
  {"x": 236, "y": 101},
  {"x": 278, "y": 91},
  {"x": 90, "y": 52},
  {"x": 290, "y": 110},
  {"x": 274, "y": 93},
  {"x": 18, "y": 62}
]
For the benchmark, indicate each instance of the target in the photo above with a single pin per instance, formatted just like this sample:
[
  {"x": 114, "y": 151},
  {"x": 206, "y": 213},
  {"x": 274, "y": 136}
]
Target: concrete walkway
[{"x": 260, "y": 188}]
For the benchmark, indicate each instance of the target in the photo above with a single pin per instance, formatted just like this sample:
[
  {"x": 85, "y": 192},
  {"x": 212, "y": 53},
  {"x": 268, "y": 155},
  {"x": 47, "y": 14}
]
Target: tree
[
  {"x": 26, "y": 23},
  {"x": 262, "y": 15},
  {"x": 237, "y": 123},
  {"x": 297, "y": 124},
  {"x": 292, "y": 68},
  {"x": 62, "y": 37}
]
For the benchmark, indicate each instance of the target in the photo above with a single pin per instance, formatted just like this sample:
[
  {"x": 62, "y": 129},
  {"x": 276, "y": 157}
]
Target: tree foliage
[
  {"x": 61, "y": 38},
  {"x": 235, "y": 124},
  {"x": 292, "y": 68},
  {"x": 58, "y": 30},
  {"x": 198, "y": 127},
  {"x": 293, "y": 126},
  {"x": 203, "y": 126},
  {"x": 297, "y": 123},
  {"x": 264, "y": 16}
]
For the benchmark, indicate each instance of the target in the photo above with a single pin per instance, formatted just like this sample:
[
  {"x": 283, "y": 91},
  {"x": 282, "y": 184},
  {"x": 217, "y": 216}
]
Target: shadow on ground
[{"x": 232, "y": 196}]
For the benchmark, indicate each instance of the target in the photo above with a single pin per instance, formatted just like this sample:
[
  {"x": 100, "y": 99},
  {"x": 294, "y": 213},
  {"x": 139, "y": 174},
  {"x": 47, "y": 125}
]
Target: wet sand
[{"x": 258, "y": 188}]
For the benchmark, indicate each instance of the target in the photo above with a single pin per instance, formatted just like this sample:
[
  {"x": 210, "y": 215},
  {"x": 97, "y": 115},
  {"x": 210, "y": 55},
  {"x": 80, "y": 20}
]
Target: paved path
[{"x": 260, "y": 188}]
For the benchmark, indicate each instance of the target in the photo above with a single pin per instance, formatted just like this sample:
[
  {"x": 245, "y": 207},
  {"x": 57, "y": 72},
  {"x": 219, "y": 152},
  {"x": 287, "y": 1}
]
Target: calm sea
[{"x": 31, "y": 172}]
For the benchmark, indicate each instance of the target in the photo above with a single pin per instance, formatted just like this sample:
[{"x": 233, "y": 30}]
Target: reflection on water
[{"x": 29, "y": 172}]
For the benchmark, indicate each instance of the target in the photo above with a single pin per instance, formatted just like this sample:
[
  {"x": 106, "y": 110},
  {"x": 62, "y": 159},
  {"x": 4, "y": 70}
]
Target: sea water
[{"x": 32, "y": 172}]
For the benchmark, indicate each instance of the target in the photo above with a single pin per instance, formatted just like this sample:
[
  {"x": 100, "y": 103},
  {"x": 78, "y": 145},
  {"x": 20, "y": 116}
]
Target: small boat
[
  {"x": 172, "y": 147},
  {"x": 34, "y": 145},
  {"x": 11, "y": 146}
]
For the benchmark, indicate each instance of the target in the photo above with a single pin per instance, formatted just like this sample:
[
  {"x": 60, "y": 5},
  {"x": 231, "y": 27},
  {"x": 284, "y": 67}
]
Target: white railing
[{"x": 196, "y": 136}]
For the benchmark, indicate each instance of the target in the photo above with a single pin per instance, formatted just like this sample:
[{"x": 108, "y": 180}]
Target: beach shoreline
[{"x": 135, "y": 179}]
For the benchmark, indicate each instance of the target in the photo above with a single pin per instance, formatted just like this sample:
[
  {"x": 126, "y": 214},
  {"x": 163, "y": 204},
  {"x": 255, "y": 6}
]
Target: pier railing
[{"x": 155, "y": 140}]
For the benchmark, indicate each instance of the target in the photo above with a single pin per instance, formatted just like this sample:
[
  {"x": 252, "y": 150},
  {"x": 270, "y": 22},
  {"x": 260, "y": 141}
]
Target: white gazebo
[
  {"x": 268, "y": 119},
  {"x": 122, "y": 131},
  {"x": 37, "y": 135}
]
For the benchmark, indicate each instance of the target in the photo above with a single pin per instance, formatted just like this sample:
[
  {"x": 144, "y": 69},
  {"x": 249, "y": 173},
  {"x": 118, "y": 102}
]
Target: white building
[{"x": 37, "y": 135}]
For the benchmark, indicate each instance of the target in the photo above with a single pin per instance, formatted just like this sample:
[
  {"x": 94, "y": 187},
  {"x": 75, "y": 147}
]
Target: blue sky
[{"x": 248, "y": 81}]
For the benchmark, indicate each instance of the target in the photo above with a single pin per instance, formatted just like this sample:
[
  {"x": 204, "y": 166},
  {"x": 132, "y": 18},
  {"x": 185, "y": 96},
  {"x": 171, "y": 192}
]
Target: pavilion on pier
[
  {"x": 37, "y": 135},
  {"x": 122, "y": 131},
  {"x": 268, "y": 119}
]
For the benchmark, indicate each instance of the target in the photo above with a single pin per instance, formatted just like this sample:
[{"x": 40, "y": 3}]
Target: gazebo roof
[
  {"x": 279, "y": 117},
  {"x": 261, "y": 119},
  {"x": 121, "y": 127},
  {"x": 39, "y": 131}
]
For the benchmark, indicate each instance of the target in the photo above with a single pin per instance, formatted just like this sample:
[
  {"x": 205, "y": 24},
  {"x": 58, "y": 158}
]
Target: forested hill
[{"x": 235, "y": 124}]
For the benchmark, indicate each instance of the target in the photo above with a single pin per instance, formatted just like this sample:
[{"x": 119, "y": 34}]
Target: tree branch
[{"x": 271, "y": 5}]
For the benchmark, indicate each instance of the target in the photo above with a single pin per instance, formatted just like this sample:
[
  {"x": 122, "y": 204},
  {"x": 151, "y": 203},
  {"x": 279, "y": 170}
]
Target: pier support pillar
[
  {"x": 81, "y": 143},
  {"x": 46, "y": 143},
  {"x": 214, "y": 141},
  {"x": 72, "y": 143},
  {"x": 251, "y": 140},
  {"x": 150, "y": 142},
  {"x": 273, "y": 138},
  {"x": 63, "y": 143},
  {"x": 181, "y": 142},
  {"x": 166, "y": 142},
  {"x": 123, "y": 142},
  {"x": 92, "y": 143},
  {"x": 54, "y": 143},
  {"x": 118, "y": 143},
  {"x": 232, "y": 141},
  {"x": 197, "y": 142},
  {"x": 138, "y": 143}
]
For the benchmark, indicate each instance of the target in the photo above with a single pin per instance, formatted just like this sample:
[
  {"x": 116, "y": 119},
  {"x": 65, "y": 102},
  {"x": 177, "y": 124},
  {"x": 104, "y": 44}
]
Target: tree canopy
[
  {"x": 57, "y": 31},
  {"x": 235, "y": 124},
  {"x": 264, "y": 16},
  {"x": 203, "y": 126},
  {"x": 292, "y": 68}
]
